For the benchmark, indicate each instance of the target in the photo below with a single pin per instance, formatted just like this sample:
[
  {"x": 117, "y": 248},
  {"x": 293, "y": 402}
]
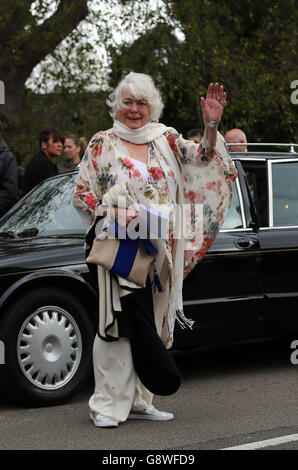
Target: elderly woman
[{"x": 130, "y": 355}]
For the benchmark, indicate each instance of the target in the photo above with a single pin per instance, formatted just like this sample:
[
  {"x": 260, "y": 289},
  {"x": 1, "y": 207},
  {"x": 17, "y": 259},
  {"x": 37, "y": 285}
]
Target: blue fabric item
[
  {"x": 125, "y": 257},
  {"x": 150, "y": 248},
  {"x": 127, "y": 250}
]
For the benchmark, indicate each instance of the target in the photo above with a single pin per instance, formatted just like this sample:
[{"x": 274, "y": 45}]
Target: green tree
[
  {"x": 53, "y": 64},
  {"x": 53, "y": 35},
  {"x": 249, "y": 46}
]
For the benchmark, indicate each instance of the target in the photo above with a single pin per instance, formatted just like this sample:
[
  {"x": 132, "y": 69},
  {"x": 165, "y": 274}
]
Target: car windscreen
[{"x": 46, "y": 211}]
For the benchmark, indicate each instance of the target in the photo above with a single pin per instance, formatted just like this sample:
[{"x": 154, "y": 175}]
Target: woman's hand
[
  {"x": 124, "y": 216},
  {"x": 212, "y": 106}
]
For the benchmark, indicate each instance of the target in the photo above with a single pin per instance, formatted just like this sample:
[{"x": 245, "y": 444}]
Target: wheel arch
[{"x": 63, "y": 280}]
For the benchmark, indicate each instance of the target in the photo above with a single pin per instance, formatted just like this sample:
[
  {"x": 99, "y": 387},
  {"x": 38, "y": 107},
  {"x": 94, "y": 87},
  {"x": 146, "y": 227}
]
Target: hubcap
[{"x": 49, "y": 347}]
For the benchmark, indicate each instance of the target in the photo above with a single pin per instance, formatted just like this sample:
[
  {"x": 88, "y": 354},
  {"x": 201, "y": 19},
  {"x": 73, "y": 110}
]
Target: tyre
[{"x": 48, "y": 339}]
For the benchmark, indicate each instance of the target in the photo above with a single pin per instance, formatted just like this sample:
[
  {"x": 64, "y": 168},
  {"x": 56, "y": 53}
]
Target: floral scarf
[{"x": 199, "y": 174}]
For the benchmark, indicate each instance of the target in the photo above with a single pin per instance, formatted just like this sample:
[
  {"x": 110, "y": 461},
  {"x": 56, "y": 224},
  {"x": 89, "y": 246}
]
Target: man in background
[
  {"x": 236, "y": 136},
  {"x": 195, "y": 135},
  {"x": 41, "y": 167}
]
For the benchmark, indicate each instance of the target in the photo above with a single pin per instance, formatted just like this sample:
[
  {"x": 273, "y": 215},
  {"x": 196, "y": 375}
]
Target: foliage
[
  {"x": 29, "y": 31},
  {"x": 53, "y": 62},
  {"x": 50, "y": 46},
  {"x": 81, "y": 114},
  {"x": 249, "y": 46}
]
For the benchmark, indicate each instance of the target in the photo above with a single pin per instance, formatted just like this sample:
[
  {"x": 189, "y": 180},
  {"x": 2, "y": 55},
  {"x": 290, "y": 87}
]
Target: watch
[{"x": 212, "y": 123}]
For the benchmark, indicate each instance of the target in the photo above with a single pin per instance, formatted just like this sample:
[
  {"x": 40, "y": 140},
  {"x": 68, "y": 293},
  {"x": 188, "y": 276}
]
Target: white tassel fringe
[{"x": 183, "y": 321}]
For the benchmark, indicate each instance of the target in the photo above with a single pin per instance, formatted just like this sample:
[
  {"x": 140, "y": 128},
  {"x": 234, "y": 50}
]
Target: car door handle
[{"x": 244, "y": 243}]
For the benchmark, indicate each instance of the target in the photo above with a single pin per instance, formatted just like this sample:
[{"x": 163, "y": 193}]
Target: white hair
[{"x": 141, "y": 86}]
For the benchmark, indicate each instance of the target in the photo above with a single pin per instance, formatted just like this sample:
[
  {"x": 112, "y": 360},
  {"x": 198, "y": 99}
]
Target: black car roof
[{"x": 263, "y": 155}]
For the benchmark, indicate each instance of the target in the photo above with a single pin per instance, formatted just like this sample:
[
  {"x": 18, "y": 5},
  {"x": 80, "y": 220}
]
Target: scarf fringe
[{"x": 183, "y": 321}]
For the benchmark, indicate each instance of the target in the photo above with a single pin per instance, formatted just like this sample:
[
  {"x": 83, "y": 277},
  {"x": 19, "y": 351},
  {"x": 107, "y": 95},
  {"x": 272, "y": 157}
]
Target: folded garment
[
  {"x": 153, "y": 363},
  {"x": 121, "y": 255}
]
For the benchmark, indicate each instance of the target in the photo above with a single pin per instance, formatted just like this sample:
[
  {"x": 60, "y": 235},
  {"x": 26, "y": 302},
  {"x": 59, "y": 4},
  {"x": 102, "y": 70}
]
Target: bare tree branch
[
  {"x": 35, "y": 44},
  {"x": 47, "y": 37},
  {"x": 24, "y": 43}
]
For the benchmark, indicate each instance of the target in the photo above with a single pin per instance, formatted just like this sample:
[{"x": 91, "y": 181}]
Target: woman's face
[
  {"x": 133, "y": 113},
  {"x": 72, "y": 152}
]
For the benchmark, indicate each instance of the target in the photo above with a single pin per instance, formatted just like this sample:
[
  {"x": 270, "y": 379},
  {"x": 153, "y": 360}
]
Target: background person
[
  {"x": 195, "y": 135},
  {"x": 236, "y": 136},
  {"x": 8, "y": 178},
  {"x": 136, "y": 324},
  {"x": 41, "y": 166},
  {"x": 73, "y": 150},
  {"x": 84, "y": 145}
]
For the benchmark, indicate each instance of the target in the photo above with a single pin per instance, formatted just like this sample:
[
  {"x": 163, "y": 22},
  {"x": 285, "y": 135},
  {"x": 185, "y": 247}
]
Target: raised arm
[
  {"x": 212, "y": 109},
  {"x": 189, "y": 152}
]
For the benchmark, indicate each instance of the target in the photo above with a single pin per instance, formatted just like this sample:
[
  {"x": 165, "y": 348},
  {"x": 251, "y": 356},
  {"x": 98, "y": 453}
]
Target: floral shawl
[{"x": 207, "y": 176}]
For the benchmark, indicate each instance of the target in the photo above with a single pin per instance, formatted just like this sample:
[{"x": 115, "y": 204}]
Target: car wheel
[{"x": 48, "y": 339}]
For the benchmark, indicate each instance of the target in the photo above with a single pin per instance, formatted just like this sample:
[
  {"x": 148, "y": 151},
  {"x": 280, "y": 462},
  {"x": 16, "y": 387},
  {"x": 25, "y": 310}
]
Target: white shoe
[
  {"x": 102, "y": 421},
  {"x": 150, "y": 413}
]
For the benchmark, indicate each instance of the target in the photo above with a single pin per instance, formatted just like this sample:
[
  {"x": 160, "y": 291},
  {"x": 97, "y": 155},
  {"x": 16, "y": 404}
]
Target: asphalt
[{"x": 227, "y": 396}]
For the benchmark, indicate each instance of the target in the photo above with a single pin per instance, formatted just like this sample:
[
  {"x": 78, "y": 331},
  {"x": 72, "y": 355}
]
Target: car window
[
  {"x": 285, "y": 193},
  {"x": 233, "y": 219},
  {"x": 48, "y": 210}
]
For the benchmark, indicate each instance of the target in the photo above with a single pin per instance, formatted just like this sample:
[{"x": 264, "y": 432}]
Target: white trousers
[{"x": 117, "y": 387}]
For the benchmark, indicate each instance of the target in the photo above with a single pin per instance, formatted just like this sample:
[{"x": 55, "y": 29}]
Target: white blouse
[{"x": 141, "y": 166}]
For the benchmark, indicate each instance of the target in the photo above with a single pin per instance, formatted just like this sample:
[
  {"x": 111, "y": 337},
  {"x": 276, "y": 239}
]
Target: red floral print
[
  {"x": 172, "y": 142},
  {"x": 97, "y": 149},
  {"x": 90, "y": 200},
  {"x": 127, "y": 163},
  {"x": 137, "y": 173}
]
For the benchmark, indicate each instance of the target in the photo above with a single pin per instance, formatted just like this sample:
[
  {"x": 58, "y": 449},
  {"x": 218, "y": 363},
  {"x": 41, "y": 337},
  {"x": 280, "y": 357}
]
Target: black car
[{"x": 246, "y": 286}]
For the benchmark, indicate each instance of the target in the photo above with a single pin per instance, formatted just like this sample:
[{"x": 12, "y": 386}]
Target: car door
[
  {"x": 279, "y": 240},
  {"x": 226, "y": 284}
]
